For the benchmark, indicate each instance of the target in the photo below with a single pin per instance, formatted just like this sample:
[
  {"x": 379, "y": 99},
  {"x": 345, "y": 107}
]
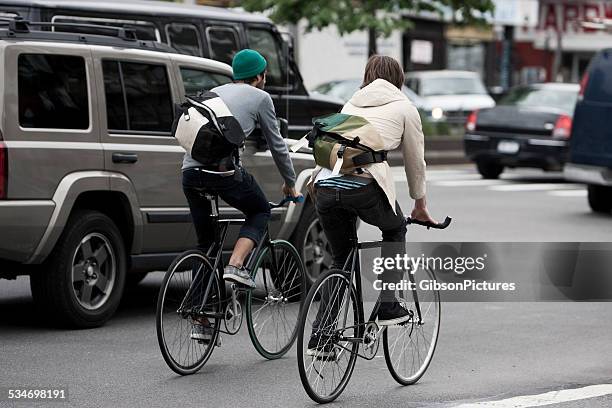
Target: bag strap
[{"x": 370, "y": 157}]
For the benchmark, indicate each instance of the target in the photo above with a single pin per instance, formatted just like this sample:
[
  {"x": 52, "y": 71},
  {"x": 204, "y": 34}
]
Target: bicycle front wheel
[
  {"x": 273, "y": 307},
  {"x": 180, "y": 304},
  {"x": 328, "y": 336},
  {"x": 409, "y": 348}
]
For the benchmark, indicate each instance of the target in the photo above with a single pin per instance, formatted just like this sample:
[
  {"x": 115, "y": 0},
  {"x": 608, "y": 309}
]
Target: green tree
[{"x": 378, "y": 17}]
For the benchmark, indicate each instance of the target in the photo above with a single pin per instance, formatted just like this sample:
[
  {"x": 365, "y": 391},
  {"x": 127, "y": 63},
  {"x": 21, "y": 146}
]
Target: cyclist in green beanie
[{"x": 252, "y": 107}]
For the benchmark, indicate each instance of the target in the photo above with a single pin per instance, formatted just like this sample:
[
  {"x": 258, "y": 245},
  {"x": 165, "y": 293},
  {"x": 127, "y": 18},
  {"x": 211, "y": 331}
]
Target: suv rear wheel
[
  {"x": 489, "y": 169},
  {"x": 600, "y": 198},
  {"x": 310, "y": 240},
  {"x": 82, "y": 282}
]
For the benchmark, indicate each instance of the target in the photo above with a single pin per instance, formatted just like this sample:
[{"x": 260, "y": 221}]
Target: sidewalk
[{"x": 438, "y": 150}]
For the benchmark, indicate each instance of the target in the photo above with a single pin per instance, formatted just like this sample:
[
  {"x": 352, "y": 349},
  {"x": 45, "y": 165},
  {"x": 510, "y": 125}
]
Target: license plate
[{"x": 508, "y": 147}]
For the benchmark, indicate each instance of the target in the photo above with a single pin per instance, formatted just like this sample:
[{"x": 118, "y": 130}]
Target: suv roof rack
[{"x": 17, "y": 27}]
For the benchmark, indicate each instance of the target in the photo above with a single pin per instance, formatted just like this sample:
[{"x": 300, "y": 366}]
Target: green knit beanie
[{"x": 248, "y": 64}]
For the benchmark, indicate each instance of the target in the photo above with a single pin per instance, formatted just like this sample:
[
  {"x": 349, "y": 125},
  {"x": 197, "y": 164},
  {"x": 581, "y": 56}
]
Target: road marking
[
  {"x": 533, "y": 187},
  {"x": 569, "y": 193},
  {"x": 468, "y": 183},
  {"x": 399, "y": 174},
  {"x": 548, "y": 398}
]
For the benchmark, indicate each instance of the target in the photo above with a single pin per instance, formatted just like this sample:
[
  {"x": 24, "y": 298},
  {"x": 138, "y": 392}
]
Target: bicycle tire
[
  {"x": 414, "y": 331},
  {"x": 280, "y": 277},
  {"x": 168, "y": 302},
  {"x": 330, "y": 278}
]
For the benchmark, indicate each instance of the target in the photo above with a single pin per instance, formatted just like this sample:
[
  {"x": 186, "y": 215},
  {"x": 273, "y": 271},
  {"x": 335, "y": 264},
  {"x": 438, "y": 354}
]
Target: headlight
[{"x": 437, "y": 113}]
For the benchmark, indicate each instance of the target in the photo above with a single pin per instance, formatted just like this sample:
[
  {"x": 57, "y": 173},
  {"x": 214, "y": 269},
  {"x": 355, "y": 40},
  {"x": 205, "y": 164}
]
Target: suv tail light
[
  {"x": 3, "y": 167},
  {"x": 470, "y": 123},
  {"x": 583, "y": 84},
  {"x": 563, "y": 127}
]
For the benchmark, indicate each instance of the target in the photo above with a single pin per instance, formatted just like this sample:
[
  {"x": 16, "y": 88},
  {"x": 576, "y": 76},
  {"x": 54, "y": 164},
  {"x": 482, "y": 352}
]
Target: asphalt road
[{"x": 486, "y": 351}]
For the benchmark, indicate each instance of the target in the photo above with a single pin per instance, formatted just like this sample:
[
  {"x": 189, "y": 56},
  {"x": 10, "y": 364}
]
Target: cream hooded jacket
[{"x": 398, "y": 122}]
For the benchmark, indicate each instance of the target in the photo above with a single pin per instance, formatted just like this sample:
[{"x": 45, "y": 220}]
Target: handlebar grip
[{"x": 428, "y": 224}]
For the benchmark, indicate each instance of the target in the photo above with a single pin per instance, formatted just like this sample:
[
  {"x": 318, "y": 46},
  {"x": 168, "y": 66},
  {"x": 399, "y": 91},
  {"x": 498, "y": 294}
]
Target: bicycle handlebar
[
  {"x": 440, "y": 225},
  {"x": 286, "y": 200}
]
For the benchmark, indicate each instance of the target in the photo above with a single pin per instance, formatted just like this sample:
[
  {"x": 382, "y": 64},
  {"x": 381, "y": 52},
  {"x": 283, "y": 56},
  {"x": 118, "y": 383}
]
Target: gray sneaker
[
  {"x": 200, "y": 332},
  {"x": 238, "y": 275}
]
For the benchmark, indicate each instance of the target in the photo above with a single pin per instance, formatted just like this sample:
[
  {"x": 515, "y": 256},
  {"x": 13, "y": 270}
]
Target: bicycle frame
[
  {"x": 220, "y": 234},
  {"x": 355, "y": 276}
]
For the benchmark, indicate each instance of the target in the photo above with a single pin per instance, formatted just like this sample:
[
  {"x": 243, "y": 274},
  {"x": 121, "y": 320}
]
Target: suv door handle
[{"x": 119, "y": 157}]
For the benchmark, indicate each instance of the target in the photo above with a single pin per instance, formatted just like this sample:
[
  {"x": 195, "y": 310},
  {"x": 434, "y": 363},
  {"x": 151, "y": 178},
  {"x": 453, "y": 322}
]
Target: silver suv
[{"x": 90, "y": 187}]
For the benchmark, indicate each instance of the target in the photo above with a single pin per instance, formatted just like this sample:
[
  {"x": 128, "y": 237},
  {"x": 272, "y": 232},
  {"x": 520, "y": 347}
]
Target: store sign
[{"x": 566, "y": 16}]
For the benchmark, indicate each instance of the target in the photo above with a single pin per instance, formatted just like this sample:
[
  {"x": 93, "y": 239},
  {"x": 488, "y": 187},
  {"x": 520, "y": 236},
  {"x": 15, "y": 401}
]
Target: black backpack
[{"x": 205, "y": 127}]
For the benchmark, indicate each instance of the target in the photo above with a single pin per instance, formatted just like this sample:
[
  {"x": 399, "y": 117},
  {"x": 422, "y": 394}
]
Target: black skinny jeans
[
  {"x": 338, "y": 211},
  {"x": 245, "y": 195}
]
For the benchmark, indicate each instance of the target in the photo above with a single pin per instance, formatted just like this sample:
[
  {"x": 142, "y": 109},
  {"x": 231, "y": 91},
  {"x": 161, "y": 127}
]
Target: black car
[{"x": 530, "y": 127}]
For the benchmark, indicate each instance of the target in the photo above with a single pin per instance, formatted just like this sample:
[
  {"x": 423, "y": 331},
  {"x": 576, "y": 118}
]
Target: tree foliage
[{"x": 380, "y": 16}]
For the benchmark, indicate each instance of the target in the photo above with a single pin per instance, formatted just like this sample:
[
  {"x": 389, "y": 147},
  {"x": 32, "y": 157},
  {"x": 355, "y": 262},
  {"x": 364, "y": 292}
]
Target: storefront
[{"x": 559, "y": 44}]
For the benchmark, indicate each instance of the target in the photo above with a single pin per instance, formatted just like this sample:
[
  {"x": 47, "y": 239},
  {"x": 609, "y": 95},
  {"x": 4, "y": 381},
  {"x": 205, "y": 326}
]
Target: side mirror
[{"x": 283, "y": 127}]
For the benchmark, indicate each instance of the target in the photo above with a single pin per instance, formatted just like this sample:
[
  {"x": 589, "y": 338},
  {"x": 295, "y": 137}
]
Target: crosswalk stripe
[
  {"x": 547, "y": 398},
  {"x": 569, "y": 193},
  {"x": 533, "y": 187},
  {"x": 467, "y": 183}
]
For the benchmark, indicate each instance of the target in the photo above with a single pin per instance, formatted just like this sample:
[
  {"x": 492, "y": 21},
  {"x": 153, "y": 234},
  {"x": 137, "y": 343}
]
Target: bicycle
[
  {"x": 191, "y": 292},
  {"x": 341, "y": 328}
]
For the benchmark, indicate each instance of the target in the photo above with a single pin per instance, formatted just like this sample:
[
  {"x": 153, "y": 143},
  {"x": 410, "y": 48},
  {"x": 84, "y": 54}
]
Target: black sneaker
[
  {"x": 321, "y": 347},
  {"x": 391, "y": 313}
]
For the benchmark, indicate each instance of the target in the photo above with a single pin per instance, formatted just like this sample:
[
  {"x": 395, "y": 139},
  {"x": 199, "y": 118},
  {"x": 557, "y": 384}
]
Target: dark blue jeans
[{"x": 244, "y": 195}]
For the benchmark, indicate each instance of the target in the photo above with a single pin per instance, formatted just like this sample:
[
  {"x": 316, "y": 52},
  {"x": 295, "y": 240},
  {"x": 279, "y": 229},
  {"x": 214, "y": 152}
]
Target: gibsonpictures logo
[{"x": 459, "y": 264}]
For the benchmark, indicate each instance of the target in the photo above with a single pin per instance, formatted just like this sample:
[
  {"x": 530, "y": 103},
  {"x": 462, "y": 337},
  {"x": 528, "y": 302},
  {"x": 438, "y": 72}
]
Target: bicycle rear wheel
[
  {"x": 409, "y": 348},
  {"x": 273, "y": 307},
  {"x": 325, "y": 370},
  {"x": 178, "y": 304}
]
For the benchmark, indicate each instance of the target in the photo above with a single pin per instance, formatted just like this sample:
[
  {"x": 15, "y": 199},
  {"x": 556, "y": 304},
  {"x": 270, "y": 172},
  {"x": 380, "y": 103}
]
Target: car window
[
  {"x": 52, "y": 91},
  {"x": 267, "y": 44},
  {"x": 323, "y": 88},
  {"x": 142, "y": 92},
  {"x": 446, "y": 85},
  {"x": 144, "y": 30},
  {"x": 541, "y": 97},
  {"x": 222, "y": 43},
  {"x": 196, "y": 80},
  {"x": 184, "y": 38},
  {"x": 344, "y": 90},
  {"x": 413, "y": 84}
]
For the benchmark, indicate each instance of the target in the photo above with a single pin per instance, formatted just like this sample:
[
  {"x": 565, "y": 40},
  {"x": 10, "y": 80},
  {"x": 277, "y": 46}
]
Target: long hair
[{"x": 387, "y": 68}]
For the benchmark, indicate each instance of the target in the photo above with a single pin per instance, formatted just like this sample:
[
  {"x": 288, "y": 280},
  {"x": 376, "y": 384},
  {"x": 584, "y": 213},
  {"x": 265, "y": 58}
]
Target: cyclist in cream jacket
[{"x": 371, "y": 195}]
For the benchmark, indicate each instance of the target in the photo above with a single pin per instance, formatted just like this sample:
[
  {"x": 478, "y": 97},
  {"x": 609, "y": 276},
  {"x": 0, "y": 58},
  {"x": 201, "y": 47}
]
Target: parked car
[
  {"x": 529, "y": 127},
  {"x": 344, "y": 89},
  {"x": 201, "y": 31},
  {"x": 90, "y": 188},
  {"x": 449, "y": 96},
  {"x": 591, "y": 143}
]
